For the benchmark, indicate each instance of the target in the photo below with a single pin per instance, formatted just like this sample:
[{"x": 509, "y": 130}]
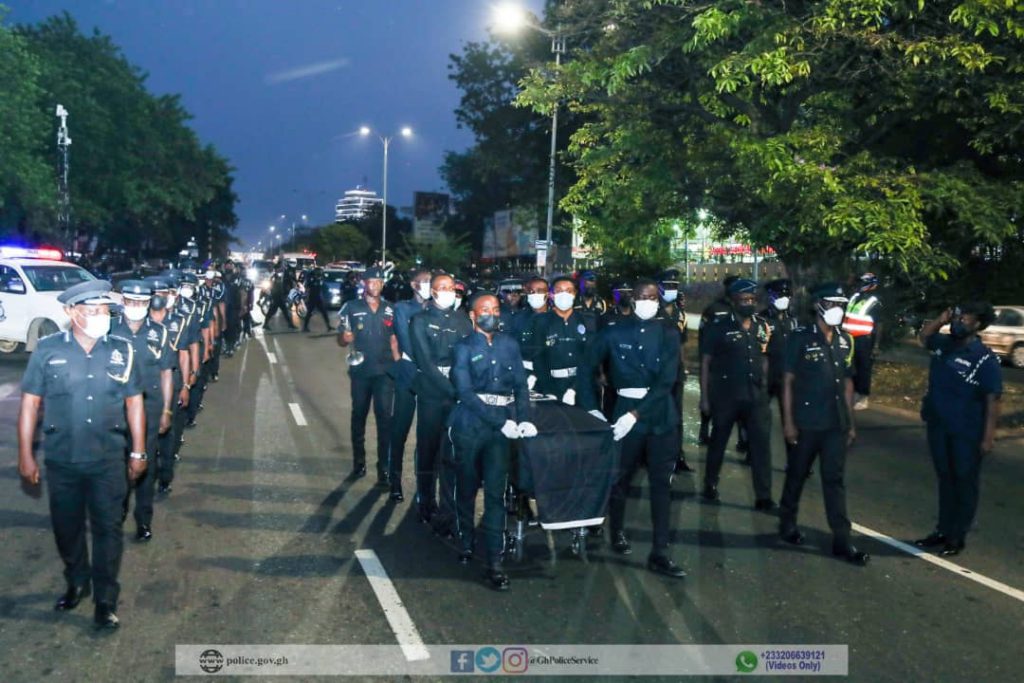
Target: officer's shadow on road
[{"x": 39, "y": 607}]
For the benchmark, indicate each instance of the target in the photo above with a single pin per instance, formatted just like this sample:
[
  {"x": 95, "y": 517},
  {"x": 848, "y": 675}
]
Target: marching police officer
[
  {"x": 153, "y": 361},
  {"x": 961, "y": 409},
  {"x": 781, "y": 324},
  {"x": 368, "y": 324},
  {"x": 405, "y": 375},
  {"x": 817, "y": 411},
  {"x": 537, "y": 299},
  {"x": 733, "y": 389},
  {"x": 511, "y": 298},
  {"x": 88, "y": 385},
  {"x": 281, "y": 283},
  {"x": 161, "y": 310},
  {"x": 315, "y": 298},
  {"x": 622, "y": 305},
  {"x": 719, "y": 308},
  {"x": 590, "y": 304},
  {"x": 672, "y": 313},
  {"x": 493, "y": 408},
  {"x": 434, "y": 333},
  {"x": 233, "y": 293},
  {"x": 644, "y": 357},
  {"x": 184, "y": 289},
  {"x": 560, "y": 338}
]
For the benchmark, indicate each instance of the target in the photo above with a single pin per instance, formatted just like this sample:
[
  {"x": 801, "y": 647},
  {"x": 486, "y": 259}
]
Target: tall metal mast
[{"x": 63, "y": 191}]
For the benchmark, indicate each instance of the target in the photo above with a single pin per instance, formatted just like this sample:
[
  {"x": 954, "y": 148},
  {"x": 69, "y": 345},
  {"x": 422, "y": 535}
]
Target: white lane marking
[
  {"x": 398, "y": 618},
  {"x": 939, "y": 562},
  {"x": 296, "y": 409},
  {"x": 8, "y": 390},
  {"x": 272, "y": 357}
]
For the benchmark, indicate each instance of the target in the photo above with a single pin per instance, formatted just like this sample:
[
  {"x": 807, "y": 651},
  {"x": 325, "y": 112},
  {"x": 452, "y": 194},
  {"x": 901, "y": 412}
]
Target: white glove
[
  {"x": 530, "y": 381},
  {"x": 569, "y": 398},
  {"x": 623, "y": 426},
  {"x": 598, "y": 414},
  {"x": 510, "y": 429},
  {"x": 527, "y": 430}
]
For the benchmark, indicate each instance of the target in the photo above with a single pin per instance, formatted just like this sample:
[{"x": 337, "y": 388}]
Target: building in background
[
  {"x": 356, "y": 205},
  {"x": 511, "y": 235},
  {"x": 430, "y": 211}
]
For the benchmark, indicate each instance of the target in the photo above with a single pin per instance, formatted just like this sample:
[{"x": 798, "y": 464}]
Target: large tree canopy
[{"x": 880, "y": 128}]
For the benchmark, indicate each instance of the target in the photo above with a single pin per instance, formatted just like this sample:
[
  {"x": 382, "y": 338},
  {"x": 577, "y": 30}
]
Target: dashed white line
[
  {"x": 1010, "y": 591},
  {"x": 272, "y": 357},
  {"x": 398, "y": 618},
  {"x": 296, "y": 409}
]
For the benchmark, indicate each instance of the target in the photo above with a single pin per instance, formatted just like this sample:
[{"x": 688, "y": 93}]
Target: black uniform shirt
[
  {"x": 782, "y": 324},
  {"x": 83, "y": 396},
  {"x": 819, "y": 373},
  {"x": 479, "y": 367},
  {"x": 405, "y": 370},
  {"x": 737, "y": 357},
  {"x": 434, "y": 334},
  {"x": 561, "y": 345},
  {"x": 373, "y": 332},
  {"x": 152, "y": 356}
]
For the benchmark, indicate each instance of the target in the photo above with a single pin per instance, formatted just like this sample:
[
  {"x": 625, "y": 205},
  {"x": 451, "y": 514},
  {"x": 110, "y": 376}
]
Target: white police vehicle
[{"x": 30, "y": 282}]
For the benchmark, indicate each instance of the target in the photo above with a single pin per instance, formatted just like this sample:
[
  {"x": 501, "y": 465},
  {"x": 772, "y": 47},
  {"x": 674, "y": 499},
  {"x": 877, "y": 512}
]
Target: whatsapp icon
[{"x": 746, "y": 662}]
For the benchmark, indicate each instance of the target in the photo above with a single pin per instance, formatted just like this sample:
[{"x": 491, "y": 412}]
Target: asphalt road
[{"x": 257, "y": 543}]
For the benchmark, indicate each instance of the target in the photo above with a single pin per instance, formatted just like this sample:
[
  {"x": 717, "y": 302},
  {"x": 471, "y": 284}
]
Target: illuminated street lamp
[{"x": 405, "y": 132}]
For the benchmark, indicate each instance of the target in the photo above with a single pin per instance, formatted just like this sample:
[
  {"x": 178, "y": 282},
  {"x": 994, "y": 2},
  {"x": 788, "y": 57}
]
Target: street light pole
[
  {"x": 384, "y": 209},
  {"x": 558, "y": 48}
]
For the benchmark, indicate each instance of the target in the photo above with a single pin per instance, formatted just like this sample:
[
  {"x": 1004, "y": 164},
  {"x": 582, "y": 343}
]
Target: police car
[{"x": 30, "y": 281}]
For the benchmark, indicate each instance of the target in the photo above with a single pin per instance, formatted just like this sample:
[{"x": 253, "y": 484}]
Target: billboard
[
  {"x": 430, "y": 211},
  {"x": 512, "y": 233}
]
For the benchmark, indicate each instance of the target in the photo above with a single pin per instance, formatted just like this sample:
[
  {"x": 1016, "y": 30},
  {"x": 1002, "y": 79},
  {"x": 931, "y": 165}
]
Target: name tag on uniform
[
  {"x": 476, "y": 358},
  {"x": 434, "y": 327},
  {"x": 57, "y": 361},
  {"x": 628, "y": 347}
]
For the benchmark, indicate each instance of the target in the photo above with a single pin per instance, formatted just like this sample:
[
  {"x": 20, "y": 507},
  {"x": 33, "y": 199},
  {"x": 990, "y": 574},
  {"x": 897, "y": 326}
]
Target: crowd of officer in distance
[{"x": 113, "y": 397}]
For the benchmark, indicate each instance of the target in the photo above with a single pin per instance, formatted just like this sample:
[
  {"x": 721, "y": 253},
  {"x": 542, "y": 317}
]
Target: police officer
[
  {"x": 673, "y": 313},
  {"x": 733, "y": 388},
  {"x": 781, "y": 323},
  {"x": 161, "y": 310},
  {"x": 434, "y": 333},
  {"x": 864, "y": 322},
  {"x": 88, "y": 385},
  {"x": 589, "y": 302},
  {"x": 511, "y": 298},
  {"x": 185, "y": 304},
  {"x": 369, "y": 324},
  {"x": 153, "y": 361},
  {"x": 817, "y": 403},
  {"x": 644, "y": 359},
  {"x": 537, "y": 300},
  {"x": 232, "y": 308},
  {"x": 405, "y": 375},
  {"x": 281, "y": 283},
  {"x": 216, "y": 292},
  {"x": 560, "y": 338},
  {"x": 315, "y": 298},
  {"x": 719, "y": 308},
  {"x": 204, "y": 320},
  {"x": 493, "y": 408},
  {"x": 622, "y": 305},
  {"x": 961, "y": 409}
]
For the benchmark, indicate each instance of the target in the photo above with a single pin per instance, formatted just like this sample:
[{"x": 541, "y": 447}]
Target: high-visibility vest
[{"x": 857, "y": 322}]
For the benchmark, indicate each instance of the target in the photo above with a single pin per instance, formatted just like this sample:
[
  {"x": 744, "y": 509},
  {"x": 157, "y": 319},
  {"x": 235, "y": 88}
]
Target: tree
[
  {"x": 829, "y": 130},
  {"x": 450, "y": 254},
  {"x": 341, "y": 242}
]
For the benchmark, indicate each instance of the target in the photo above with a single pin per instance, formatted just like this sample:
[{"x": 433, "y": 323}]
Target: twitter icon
[{"x": 488, "y": 659}]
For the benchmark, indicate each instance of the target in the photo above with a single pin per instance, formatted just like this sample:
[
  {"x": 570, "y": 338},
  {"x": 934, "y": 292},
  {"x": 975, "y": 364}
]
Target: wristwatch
[{"x": 138, "y": 456}]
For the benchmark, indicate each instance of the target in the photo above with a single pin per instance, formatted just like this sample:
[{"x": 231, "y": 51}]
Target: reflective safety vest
[{"x": 858, "y": 322}]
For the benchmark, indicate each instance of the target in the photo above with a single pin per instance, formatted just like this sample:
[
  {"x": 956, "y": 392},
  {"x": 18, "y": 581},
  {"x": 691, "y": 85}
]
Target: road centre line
[
  {"x": 398, "y": 618},
  {"x": 1010, "y": 591},
  {"x": 296, "y": 409}
]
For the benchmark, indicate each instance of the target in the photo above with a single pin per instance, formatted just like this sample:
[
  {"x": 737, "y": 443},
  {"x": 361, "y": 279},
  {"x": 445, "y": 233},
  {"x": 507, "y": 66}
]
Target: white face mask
[
  {"x": 782, "y": 303},
  {"x": 646, "y": 309},
  {"x": 171, "y": 299},
  {"x": 536, "y": 301},
  {"x": 95, "y": 325},
  {"x": 833, "y": 317},
  {"x": 187, "y": 292},
  {"x": 564, "y": 301},
  {"x": 671, "y": 295},
  {"x": 458, "y": 302},
  {"x": 423, "y": 290},
  {"x": 444, "y": 299},
  {"x": 135, "y": 313}
]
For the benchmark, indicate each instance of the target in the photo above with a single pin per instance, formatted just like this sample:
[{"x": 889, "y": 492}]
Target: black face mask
[
  {"x": 488, "y": 323},
  {"x": 158, "y": 302},
  {"x": 746, "y": 310},
  {"x": 958, "y": 330}
]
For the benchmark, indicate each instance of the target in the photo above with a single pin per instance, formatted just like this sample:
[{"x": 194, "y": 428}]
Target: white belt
[
  {"x": 445, "y": 370},
  {"x": 563, "y": 373},
  {"x": 634, "y": 392},
  {"x": 496, "y": 399},
  {"x": 405, "y": 356},
  {"x": 528, "y": 364}
]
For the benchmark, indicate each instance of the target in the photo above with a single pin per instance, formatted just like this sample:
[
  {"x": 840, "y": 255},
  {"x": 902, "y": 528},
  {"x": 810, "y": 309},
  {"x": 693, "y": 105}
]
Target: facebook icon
[{"x": 463, "y": 661}]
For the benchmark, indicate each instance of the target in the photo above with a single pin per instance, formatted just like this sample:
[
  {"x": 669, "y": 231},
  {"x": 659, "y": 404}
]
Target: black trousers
[
  {"x": 312, "y": 306},
  {"x": 168, "y": 443},
  {"x": 830, "y": 446},
  {"x": 145, "y": 486},
  {"x": 434, "y": 461},
  {"x": 232, "y": 328},
  {"x": 92, "y": 492},
  {"x": 482, "y": 459},
  {"x": 198, "y": 390},
  {"x": 180, "y": 418},
  {"x": 754, "y": 414},
  {"x": 863, "y": 363},
  {"x": 660, "y": 454},
  {"x": 380, "y": 391},
  {"x": 401, "y": 423},
  {"x": 958, "y": 465},
  {"x": 278, "y": 304},
  {"x": 214, "y": 363}
]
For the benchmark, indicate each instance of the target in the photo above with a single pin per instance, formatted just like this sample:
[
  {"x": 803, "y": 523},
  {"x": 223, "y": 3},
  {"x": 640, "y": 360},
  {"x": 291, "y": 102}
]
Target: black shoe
[
  {"x": 191, "y": 423},
  {"x": 164, "y": 489},
  {"x": 792, "y": 536},
  {"x": 358, "y": 471},
  {"x": 742, "y": 447},
  {"x": 710, "y": 493},
  {"x": 850, "y": 554},
  {"x": 465, "y": 556},
  {"x": 952, "y": 549},
  {"x": 104, "y": 617},
  {"x": 425, "y": 513},
  {"x": 143, "y": 533},
  {"x": 497, "y": 579},
  {"x": 663, "y": 564},
  {"x": 764, "y": 505},
  {"x": 620, "y": 543},
  {"x": 932, "y": 540},
  {"x": 306, "y": 330},
  {"x": 396, "y": 494},
  {"x": 73, "y": 596},
  {"x": 213, "y": 378},
  {"x": 683, "y": 466},
  {"x": 383, "y": 480},
  {"x": 443, "y": 525}
]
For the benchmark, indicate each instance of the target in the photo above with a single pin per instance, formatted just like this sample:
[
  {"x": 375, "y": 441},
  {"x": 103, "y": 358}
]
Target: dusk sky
[{"x": 279, "y": 86}]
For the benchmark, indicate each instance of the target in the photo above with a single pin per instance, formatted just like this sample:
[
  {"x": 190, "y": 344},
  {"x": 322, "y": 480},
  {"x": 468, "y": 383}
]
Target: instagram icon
[{"x": 515, "y": 660}]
